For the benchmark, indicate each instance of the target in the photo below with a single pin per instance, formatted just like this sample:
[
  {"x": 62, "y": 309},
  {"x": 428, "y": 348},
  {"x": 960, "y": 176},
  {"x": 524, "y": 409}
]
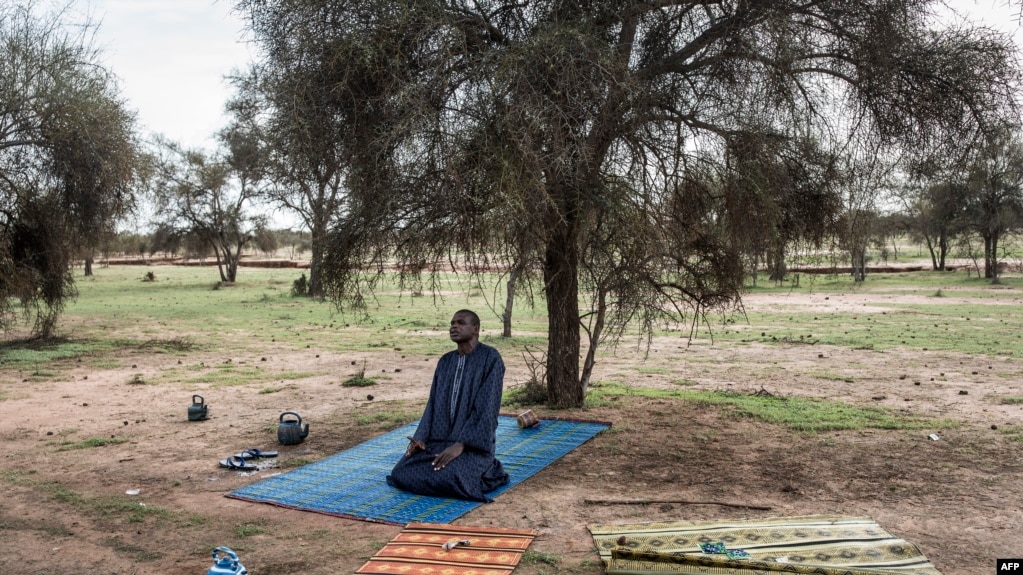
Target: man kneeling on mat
[{"x": 451, "y": 453}]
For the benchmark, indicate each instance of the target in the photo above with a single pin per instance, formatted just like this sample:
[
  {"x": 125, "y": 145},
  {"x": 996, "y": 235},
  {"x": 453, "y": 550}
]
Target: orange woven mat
[{"x": 419, "y": 550}]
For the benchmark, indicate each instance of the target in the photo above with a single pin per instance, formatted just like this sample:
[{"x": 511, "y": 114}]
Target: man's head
[{"x": 465, "y": 327}]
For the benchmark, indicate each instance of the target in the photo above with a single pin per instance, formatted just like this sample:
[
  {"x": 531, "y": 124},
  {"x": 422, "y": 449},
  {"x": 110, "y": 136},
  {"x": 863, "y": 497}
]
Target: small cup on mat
[{"x": 528, "y": 419}]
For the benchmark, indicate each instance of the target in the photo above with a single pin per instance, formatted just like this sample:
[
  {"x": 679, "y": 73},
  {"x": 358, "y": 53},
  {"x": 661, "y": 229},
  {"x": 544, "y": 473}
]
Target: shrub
[{"x": 300, "y": 287}]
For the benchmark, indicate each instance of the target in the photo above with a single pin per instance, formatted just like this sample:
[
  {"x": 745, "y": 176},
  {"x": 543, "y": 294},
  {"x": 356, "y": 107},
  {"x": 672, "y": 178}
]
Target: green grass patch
[
  {"x": 295, "y": 462},
  {"x": 654, "y": 370},
  {"x": 800, "y": 414},
  {"x": 225, "y": 375},
  {"x": 289, "y": 375},
  {"x": 388, "y": 419},
  {"x": 18, "y": 524},
  {"x": 216, "y": 375},
  {"x": 134, "y": 511},
  {"x": 39, "y": 375},
  {"x": 193, "y": 520},
  {"x": 984, "y": 325},
  {"x": 250, "y": 313},
  {"x": 1011, "y": 400},
  {"x": 250, "y": 529},
  {"x": 532, "y": 392},
  {"x": 104, "y": 506},
  {"x": 531, "y": 557},
  {"x": 20, "y": 354},
  {"x": 359, "y": 380},
  {"x": 830, "y": 376},
  {"x": 812, "y": 415},
  {"x": 1012, "y": 432},
  {"x": 174, "y": 345},
  {"x": 90, "y": 443},
  {"x": 139, "y": 554},
  {"x": 47, "y": 358}
]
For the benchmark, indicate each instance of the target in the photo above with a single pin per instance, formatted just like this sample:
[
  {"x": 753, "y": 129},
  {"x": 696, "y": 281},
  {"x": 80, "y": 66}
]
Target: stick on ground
[{"x": 676, "y": 501}]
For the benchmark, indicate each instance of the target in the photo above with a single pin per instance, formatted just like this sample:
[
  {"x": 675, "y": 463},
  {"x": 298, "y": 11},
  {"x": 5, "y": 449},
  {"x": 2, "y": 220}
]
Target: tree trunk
[
  {"x": 778, "y": 268},
  {"x": 859, "y": 264},
  {"x": 561, "y": 287},
  {"x": 942, "y": 249},
  {"x": 934, "y": 253},
  {"x": 989, "y": 256},
  {"x": 317, "y": 239},
  {"x": 88, "y": 266},
  {"x": 509, "y": 300},
  {"x": 994, "y": 257},
  {"x": 232, "y": 264},
  {"x": 220, "y": 261},
  {"x": 594, "y": 340},
  {"x": 754, "y": 271}
]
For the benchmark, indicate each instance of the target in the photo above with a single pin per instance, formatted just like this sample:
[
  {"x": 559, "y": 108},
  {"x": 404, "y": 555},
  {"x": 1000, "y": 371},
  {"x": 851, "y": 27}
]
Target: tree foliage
[
  {"x": 591, "y": 139},
  {"x": 206, "y": 197},
  {"x": 306, "y": 127},
  {"x": 934, "y": 215},
  {"x": 69, "y": 158},
  {"x": 977, "y": 190},
  {"x": 787, "y": 191},
  {"x": 994, "y": 193}
]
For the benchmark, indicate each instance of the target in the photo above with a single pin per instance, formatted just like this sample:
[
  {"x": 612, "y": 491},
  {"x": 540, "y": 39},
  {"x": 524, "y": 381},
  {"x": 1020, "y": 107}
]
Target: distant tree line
[{"x": 160, "y": 243}]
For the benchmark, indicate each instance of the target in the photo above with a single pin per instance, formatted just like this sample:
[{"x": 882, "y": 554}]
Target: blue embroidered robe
[{"x": 474, "y": 424}]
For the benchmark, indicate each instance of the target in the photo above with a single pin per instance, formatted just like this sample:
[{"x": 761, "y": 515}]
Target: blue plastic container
[{"x": 225, "y": 562}]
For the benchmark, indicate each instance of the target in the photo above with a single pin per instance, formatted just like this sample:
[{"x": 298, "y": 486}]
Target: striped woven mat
[
  {"x": 419, "y": 550},
  {"x": 818, "y": 544},
  {"x": 352, "y": 483}
]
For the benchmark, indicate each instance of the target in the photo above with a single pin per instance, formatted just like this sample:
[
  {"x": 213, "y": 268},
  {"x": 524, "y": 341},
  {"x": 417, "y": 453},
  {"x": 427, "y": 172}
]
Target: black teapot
[
  {"x": 291, "y": 432},
  {"x": 198, "y": 411}
]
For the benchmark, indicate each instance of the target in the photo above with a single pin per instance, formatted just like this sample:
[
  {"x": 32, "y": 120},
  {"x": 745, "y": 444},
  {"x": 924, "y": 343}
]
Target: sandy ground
[{"x": 69, "y": 511}]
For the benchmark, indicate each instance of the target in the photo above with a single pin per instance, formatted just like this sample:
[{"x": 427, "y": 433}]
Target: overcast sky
[{"x": 172, "y": 56}]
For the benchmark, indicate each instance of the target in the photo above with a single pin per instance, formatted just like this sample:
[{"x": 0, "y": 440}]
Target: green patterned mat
[{"x": 823, "y": 545}]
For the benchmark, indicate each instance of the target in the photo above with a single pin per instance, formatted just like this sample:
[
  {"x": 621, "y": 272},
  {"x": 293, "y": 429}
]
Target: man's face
[{"x": 462, "y": 328}]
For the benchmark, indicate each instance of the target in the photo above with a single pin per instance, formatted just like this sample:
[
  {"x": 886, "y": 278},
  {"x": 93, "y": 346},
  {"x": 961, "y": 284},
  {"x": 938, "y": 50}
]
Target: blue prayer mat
[{"x": 352, "y": 483}]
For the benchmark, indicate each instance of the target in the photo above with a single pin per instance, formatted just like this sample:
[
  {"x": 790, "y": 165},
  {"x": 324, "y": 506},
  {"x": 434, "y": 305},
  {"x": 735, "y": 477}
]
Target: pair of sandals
[{"x": 240, "y": 461}]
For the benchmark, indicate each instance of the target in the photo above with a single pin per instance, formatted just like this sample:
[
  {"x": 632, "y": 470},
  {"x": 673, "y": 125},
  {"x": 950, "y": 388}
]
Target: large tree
[
  {"x": 69, "y": 157},
  {"x": 308, "y": 129},
  {"x": 934, "y": 210},
  {"x": 599, "y": 129},
  {"x": 994, "y": 190},
  {"x": 788, "y": 191},
  {"x": 208, "y": 196}
]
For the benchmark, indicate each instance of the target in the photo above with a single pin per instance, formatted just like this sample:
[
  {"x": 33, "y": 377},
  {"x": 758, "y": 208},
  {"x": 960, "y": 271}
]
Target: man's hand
[
  {"x": 446, "y": 456},
  {"x": 414, "y": 446}
]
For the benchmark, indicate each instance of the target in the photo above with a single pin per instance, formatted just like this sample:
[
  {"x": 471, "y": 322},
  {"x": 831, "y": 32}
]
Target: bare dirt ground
[{"x": 66, "y": 511}]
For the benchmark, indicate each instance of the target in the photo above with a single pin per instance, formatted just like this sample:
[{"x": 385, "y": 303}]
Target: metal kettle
[
  {"x": 225, "y": 562},
  {"x": 198, "y": 411},
  {"x": 291, "y": 432}
]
